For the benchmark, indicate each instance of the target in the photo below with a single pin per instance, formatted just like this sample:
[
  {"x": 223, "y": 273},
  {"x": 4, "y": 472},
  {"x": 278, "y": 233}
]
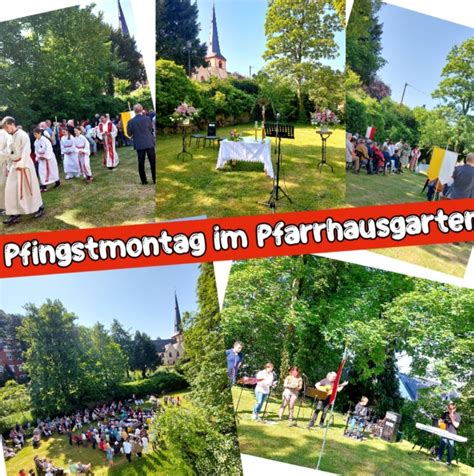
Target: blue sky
[
  {"x": 241, "y": 33},
  {"x": 141, "y": 298},
  {"x": 416, "y": 47}
]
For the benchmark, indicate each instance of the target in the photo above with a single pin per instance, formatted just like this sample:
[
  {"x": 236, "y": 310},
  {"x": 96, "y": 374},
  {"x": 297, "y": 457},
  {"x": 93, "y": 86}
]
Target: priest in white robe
[
  {"x": 84, "y": 152},
  {"x": 107, "y": 132},
  {"x": 47, "y": 164},
  {"x": 22, "y": 191},
  {"x": 5, "y": 157}
]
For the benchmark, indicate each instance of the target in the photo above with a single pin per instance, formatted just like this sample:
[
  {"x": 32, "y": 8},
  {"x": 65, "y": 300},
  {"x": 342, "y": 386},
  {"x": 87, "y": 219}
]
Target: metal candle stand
[
  {"x": 324, "y": 137},
  {"x": 184, "y": 152}
]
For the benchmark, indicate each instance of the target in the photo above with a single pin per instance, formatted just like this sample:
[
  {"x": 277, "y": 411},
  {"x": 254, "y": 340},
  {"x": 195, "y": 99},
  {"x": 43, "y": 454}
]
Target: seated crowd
[
  {"x": 376, "y": 158},
  {"x": 118, "y": 428}
]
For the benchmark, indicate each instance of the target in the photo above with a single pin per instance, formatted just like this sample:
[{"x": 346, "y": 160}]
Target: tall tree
[
  {"x": 52, "y": 356},
  {"x": 177, "y": 33},
  {"x": 364, "y": 40},
  {"x": 58, "y": 63},
  {"x": 131, "y": 65},
  {"x": 204, "y": 343},
  {"x": 124, "y": 339},
  {"x": 456, "y": 88},
  {"x": 299, "y": 35},
  {"x": 144, "y": 356},
  {"x": 103, "y": 361}
]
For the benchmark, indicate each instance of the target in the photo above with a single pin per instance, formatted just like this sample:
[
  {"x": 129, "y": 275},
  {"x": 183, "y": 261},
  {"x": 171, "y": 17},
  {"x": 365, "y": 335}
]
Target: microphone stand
[{"x": 303, "y": 398}]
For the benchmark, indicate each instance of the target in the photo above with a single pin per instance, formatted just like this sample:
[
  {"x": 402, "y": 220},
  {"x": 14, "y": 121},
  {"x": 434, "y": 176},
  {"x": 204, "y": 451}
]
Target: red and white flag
[{"x": 369, "y": 134}]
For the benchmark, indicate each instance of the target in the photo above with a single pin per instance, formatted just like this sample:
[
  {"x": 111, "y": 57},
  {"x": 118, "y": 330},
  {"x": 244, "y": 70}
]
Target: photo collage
[{"x": 139, "y": 114}]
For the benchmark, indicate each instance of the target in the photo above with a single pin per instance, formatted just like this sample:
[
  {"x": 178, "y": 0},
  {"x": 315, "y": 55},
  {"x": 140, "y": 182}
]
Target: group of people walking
[{"x": 30, "y": 163}]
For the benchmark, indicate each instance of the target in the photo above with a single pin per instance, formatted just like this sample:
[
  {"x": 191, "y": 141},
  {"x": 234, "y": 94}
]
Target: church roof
[
  {"x": 122, "y": 22},
  {"x": 178, "y": 326},
  {"x": 213, "y": 46},
  {"x": 160, "y": 344}
]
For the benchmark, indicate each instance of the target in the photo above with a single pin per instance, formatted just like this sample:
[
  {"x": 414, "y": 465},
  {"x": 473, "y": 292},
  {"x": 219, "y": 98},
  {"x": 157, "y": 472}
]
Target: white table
[{"x": 247, "y": 150}]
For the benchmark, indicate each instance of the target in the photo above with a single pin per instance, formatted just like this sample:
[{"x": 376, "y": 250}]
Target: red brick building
[{"x": 10, "y": 356}]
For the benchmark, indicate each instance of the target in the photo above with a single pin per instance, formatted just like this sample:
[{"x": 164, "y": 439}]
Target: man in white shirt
[{"x": 127, "y": 449}]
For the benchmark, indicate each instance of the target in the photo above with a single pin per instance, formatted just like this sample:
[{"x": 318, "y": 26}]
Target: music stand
[
  {"x": 279, "y": 131},
  {"x": 324, "y": 137}
]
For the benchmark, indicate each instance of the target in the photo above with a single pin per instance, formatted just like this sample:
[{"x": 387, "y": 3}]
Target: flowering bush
[
  {"x": 184, "y": 113},
  {"x": 324, "y": 118},
  {"x": 235, "y": 136}
]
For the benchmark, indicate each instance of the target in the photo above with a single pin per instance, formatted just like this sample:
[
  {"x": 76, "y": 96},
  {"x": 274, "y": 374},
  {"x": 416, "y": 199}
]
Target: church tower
[{"x": 216, "y": 62}]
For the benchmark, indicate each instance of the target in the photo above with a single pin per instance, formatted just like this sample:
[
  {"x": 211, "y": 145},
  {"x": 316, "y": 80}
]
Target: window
[
  {"x": 202, "y": 78},
  {"x": 9, "y": 356},
  {"x": 170, "y": 354},
  {"x": 220, "y": 64},
  {"x": 1, "y": 369},
  {"x": 177, "y": 354}
]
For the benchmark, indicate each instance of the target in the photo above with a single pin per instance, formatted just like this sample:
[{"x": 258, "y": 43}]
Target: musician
[
  {"x": 325, "y": 386},
  {"x": 449, "y": 421},
  {"x": 234, "y": 360},
  {"x": 265, "y": 381},
  {"x": 359, "y": 416},
  {"x": 292, "y": 386}
]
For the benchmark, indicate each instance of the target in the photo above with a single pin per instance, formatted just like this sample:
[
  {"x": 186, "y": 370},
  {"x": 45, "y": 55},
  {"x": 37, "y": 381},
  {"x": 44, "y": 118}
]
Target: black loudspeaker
[
  {"x": 212, "y": 129},
  {"x": 391, "y": 426}
]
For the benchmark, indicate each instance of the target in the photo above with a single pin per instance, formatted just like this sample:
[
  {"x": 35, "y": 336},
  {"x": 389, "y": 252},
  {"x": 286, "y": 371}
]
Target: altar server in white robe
[
  {"x": 84, "y": 152},
  {"x": 107, "y": 132},
  {"x": 22, "y": 191},
  {"x": 70, "y": 156},
  {"x": 5, "y": 157},
  {"x": 47, "y": 164}
]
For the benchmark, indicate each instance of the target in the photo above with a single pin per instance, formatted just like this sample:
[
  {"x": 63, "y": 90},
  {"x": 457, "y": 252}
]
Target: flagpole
[
  {"x": 332, "y": 401},
  {"x": 325, "y": 436}
]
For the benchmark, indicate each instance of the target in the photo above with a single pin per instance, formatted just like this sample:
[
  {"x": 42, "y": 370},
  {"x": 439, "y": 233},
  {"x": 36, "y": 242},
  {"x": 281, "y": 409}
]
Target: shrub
[
  {"x": 160, "y": 382},
  {"x": 195, "y": 445},
  {"x": 356, "y": 115},
  {"x": 15, "y": 404}
]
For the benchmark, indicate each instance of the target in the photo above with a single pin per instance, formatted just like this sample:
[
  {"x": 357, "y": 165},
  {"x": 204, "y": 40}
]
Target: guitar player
[{"x": 325, "y": 387}]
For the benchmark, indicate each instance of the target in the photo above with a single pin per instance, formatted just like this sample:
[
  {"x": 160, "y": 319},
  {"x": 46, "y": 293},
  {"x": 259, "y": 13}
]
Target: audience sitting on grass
[
  {"x": 46, "y": 466},
  {"x": 116, "y": 429},
  {"x": 380, "y": 158}
]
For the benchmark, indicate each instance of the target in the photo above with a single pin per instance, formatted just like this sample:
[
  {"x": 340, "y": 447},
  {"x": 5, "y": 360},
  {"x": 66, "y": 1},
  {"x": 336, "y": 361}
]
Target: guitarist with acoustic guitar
[{"x": 324, "y": 390}]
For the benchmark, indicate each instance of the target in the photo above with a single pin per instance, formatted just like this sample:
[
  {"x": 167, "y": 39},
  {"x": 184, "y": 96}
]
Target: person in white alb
[
  {"x": 265, "y": 380},
  {"x": 47, "y": 164},
  {"x": 5, "y": 157},
  {"x": 83, "y": 149},
  {"x": 69, "y": 153},
  {"x": 22, "y": 190}
]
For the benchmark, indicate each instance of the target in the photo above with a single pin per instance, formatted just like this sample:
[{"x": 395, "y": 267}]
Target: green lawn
[
  {"x": 195, "y": 187},
  {"x": 365, "y": 190},
  {"x": 114, "y": 198},
  {"x": 299, "y": 446}
]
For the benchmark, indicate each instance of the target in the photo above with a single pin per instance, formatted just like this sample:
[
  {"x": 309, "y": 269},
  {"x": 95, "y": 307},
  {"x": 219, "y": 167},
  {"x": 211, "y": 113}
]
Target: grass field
[
  {"x": 194, "y": 187},
  {"x": 365, "y": 190},
  {"x": 299, "y": 446},
  {"x": 57, "y": 448},
  {"x": 114, "y": 198}
]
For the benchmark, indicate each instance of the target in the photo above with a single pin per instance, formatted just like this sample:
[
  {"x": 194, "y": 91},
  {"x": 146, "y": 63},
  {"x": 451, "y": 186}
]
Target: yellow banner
[
  {"x": 435, "y": 164},
  {"x": 126, "y": 116}
]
